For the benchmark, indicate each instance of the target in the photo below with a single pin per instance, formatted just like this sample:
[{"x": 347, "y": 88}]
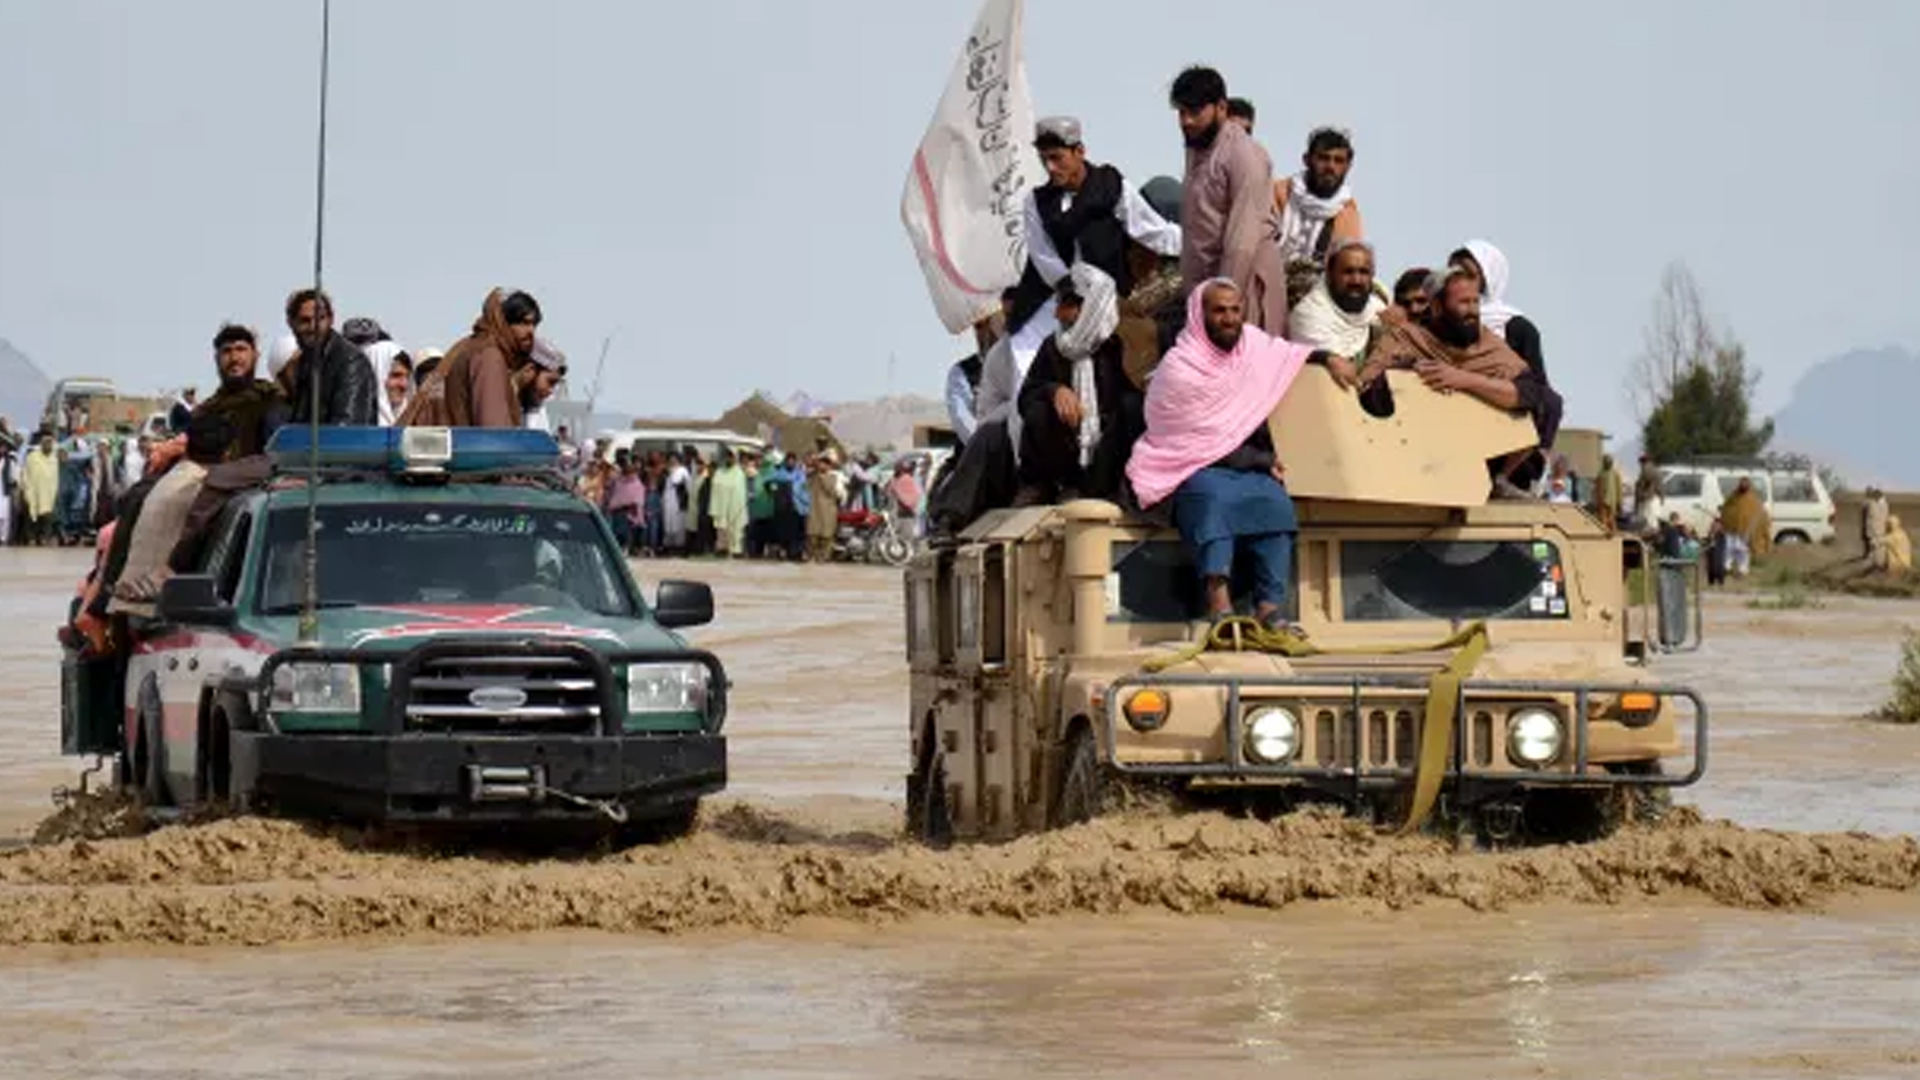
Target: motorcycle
[{"x": 873, "y": 536}]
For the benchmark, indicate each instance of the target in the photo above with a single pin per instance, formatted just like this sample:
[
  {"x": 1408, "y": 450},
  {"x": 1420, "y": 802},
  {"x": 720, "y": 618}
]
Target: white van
[
  {"x": 709, "y": 441},
  {"x": 1796, "y": 499}
]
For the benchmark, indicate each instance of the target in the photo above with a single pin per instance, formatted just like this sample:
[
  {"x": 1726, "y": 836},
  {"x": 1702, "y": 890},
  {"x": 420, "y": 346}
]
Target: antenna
[
  {"x": 310, "y": 600},
  {"x": 599, "y": 372}
]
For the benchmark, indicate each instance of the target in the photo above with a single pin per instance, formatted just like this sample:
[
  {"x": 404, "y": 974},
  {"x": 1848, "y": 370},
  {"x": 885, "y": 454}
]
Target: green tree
[{"x": 1693, "y": 382}]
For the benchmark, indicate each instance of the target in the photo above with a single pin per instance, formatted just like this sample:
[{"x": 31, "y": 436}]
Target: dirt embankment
[{"x": 254, "y": 881}]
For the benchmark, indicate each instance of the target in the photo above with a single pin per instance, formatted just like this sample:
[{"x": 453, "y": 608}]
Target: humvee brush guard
[{"x": 1485, "y": 663}]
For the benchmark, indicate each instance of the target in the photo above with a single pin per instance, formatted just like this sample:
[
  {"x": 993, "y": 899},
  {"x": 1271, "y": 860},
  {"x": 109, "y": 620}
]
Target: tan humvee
[{"x": 1058, "y": 651}]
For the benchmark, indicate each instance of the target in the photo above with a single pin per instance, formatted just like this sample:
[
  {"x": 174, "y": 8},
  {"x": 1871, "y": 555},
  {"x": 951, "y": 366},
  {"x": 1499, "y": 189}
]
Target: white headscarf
[
  {"x": 283, "y": 349},
  {"x": 1317, "y": 320},
  {"x": 1099, "y": 318},
  {"x": 1495, "y": 312},
  {"x": 1305, "y": 215},
  {"x": 380, "y": 354}
]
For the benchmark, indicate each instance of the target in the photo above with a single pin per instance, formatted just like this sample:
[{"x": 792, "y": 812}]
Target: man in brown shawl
[
  {"x": 1452, "y": 352},
  {"x": 1226, "y": 209},
  {"x": 479, "y": 382}
]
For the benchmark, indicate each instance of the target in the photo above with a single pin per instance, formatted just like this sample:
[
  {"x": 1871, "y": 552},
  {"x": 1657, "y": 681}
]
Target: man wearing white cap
[
  {"x": 1083, "y": 213},
  {"x": 549, "y": 368}
]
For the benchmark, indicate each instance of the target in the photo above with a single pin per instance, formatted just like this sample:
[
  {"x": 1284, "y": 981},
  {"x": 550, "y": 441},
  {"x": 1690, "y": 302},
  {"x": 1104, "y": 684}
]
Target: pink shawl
[{"x": 1203, "y": 403}]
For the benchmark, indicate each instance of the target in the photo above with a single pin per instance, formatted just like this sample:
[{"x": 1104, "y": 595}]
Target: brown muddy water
[{"x": 795, "y": 936}]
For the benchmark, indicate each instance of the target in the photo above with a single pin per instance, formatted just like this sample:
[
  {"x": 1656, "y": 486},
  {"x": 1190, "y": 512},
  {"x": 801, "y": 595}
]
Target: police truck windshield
[{"x": 383, "y": 554}]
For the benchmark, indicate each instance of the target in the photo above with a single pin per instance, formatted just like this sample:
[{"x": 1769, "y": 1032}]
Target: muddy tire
[
  {"x": 1638, "y": 806},
  {"x": 929, "y": 816},
  {"x": 150, "y": 753},
  {"x": 1083, "y": 781}
]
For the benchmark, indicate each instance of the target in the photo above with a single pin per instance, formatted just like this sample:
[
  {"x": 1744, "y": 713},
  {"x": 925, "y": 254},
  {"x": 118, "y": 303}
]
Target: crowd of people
[
  {"x": 762, "y": 506},
  {"x": 1153, "y": 332}
]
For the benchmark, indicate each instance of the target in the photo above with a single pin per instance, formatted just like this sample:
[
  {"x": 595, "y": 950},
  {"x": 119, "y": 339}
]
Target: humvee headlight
[
  {"x": 315, "y": 688},
  {"x": 1534, "y": 737},
  {"x": 1147, "y": 710},
  {"x": 666, "y": 688},
  {"x": 1273, "y": 734}
]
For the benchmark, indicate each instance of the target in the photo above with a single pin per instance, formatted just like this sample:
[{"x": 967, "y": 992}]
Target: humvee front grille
[
  {"x": 1389, "y": 738},
  {"x": 504, "y": 695}
]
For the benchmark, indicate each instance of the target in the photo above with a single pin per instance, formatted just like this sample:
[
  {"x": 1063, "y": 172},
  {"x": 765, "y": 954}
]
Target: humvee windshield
[
  {"x": 1385, "y": 580},
  {"x": 385, "y": 553}
]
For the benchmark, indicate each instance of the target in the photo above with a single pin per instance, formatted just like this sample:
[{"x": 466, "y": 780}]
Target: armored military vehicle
[{"x": 1490, "y": 661}]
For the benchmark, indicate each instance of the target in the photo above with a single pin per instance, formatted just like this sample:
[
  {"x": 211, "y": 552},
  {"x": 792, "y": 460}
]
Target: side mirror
[
  {"x": 683, "y": 603},
  {"x": 191, "y": 598}
]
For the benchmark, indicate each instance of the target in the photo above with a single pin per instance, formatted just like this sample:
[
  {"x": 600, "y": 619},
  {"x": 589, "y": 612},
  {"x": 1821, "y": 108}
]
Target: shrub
[{"x": 1904, "y": 706}]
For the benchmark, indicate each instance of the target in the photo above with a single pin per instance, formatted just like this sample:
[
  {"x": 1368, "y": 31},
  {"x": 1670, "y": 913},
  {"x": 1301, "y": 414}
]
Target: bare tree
[{"x": 1678, "y": 338}]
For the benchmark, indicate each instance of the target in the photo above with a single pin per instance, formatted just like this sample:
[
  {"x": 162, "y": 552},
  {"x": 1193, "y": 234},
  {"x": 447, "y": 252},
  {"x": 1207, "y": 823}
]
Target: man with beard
[
  {"x": 1226, "y": 207},
  {"x": 549, "y": 371},
  {"x": 1315, "y": 209},
  {"x": 1409, "y": 296},
  {"x": 1452, "y": 352},
  {"x": 1073, "y": 436},
  {"x": 1083, "y": 213},
  {"x": 1342, "y": 309},
  {"x": 1489, "y": 266},
  {"x": 479, "y": 382},
  {"x": 254, "y": 408},
  {"x": 1208, "y": 449},
  {"x": 347, "y": 394}
]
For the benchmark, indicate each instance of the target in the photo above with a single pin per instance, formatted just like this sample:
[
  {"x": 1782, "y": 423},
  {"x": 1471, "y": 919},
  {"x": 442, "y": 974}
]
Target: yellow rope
[{"x": 1242, "y": 634}]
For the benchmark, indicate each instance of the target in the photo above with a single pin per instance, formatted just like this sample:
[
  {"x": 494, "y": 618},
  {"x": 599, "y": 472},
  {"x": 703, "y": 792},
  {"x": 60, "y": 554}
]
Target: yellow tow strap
[{"x": 1243, "y": 634}]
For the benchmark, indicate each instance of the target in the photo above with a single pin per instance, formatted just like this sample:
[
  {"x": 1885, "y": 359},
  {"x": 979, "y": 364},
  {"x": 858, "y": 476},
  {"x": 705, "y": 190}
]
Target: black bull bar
[
  {"x": 406, "y": 667},
  {"x": 1357, "y": 771}
]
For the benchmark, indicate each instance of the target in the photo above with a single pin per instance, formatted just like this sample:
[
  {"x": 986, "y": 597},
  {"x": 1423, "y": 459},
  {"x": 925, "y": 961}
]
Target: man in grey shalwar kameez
[{"x": 1226, "y": 211}]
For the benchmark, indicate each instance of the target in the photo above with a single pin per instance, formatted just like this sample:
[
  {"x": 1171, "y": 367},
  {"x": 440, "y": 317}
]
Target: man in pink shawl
[
  {"x": 1226, "y": 205},
  {"x": 1209, "y": 449}
]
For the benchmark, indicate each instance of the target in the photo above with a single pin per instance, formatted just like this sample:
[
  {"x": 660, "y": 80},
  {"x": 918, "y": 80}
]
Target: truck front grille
[{"x": 504, "y": 695}]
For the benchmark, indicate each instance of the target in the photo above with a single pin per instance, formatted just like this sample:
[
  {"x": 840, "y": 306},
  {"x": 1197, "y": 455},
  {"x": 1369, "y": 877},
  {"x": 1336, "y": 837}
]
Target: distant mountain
[
  {"x": 23, "y": 388},
  {"x": 1853, "y": 413}
]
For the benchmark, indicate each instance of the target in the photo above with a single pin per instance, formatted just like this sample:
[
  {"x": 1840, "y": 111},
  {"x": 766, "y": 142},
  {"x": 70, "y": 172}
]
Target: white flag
[{"x": 968, "y": 185}]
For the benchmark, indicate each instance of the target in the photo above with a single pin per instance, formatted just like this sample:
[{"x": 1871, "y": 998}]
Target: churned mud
[{"x": 258, "y": 881}]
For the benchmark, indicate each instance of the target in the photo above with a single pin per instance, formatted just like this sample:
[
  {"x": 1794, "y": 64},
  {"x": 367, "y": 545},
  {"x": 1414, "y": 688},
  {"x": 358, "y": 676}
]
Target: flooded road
[{"x": 801, "y": 940}]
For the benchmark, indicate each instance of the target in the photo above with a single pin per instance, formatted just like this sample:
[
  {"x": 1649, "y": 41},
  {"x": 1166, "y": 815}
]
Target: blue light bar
[{"x": 474, "y": 450}]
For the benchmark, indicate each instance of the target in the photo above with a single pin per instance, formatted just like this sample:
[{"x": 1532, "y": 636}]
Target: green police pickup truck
[{"x": 483, "y": 652}]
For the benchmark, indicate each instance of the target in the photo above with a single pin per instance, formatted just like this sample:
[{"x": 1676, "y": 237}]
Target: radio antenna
[{"x": 310, "y": 599}]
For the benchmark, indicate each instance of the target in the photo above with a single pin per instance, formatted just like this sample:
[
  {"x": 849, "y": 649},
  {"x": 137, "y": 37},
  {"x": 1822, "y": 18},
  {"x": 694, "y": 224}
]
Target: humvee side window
[
  {"x": 1387, "y": 580},
  {"x": 1152, "y": 581},
  {"x": 1682, "y": 486}
]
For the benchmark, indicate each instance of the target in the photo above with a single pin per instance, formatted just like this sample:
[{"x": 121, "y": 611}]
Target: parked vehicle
[{"x": 1796, "y": 498}]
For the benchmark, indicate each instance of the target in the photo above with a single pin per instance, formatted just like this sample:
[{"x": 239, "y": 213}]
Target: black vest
[{"x": 1089, "y": 231}]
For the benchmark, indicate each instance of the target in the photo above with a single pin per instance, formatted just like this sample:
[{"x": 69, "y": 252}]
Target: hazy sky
[{"x": 719, "y": 181}]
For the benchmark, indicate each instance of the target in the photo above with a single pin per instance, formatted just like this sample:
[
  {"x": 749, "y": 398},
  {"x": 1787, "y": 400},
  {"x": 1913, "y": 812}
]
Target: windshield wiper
[{"x": 297, "y": 607}]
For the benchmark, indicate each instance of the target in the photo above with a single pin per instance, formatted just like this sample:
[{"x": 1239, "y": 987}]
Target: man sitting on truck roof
[
  {"x": 1451, "y": 351},
  {"x": 1341, "y": 310},
  {"x": 347, "y": 394},
  {"x": 1073, "y": 437},
  {"x": 254, "y": 408},
  {"x": 1208, "y": 446}
]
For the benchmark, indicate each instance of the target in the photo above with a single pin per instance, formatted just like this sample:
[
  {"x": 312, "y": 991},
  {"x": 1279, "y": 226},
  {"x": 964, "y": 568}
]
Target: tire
[
  {"x": 1083, "y": 781},
  {"x": 929, "y": 816},
  {"x": 151, "y": 759},
  {"x": 894, "y": 550}
]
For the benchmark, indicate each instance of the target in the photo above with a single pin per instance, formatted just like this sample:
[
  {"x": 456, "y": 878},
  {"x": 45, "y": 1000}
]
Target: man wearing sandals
[{"x": 1208, "y": 449}]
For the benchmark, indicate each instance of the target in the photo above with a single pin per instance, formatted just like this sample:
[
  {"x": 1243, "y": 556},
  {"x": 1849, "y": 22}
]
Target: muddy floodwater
[{"x": 1771, "y": 930}]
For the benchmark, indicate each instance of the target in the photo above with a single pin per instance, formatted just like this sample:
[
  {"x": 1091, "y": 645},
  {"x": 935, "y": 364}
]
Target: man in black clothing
[
  {"x": 255, "y": 408},
  {"x": 1072, "y": 447},
  {"x": 1083, "y": 213},
  {"x": 348, "y": 394}
]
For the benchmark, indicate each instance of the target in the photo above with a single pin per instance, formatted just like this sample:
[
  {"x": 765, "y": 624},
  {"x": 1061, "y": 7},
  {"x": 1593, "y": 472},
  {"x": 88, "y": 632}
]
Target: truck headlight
[
  {"x": 1534, "y": 737},
  {"x": 666, "y": 688},
  {"x": 1273, "y": 734},
  {"x": 315, "y": 688}
]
